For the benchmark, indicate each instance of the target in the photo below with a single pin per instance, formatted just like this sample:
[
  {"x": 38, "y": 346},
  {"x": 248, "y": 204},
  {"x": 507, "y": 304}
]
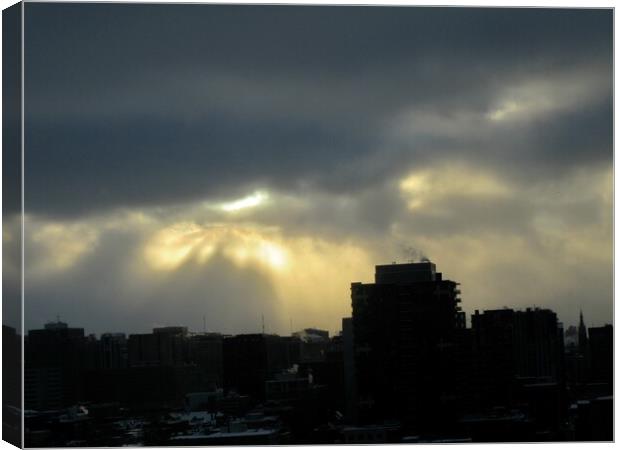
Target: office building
[
  {"x": 55, "y": 361},
  {"x": 251, "y": 359},
  {"x": 402, "y": 326}
]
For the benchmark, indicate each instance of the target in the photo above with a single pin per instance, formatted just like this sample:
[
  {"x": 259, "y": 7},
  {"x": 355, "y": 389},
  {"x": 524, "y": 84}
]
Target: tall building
[
  {"x": 539, "y": 344},
  {"x": 350, "y": 388},
  {"x": 313, "y": 344},
  {"x": 147, "y": 369},
  {"x": 602, "y": 355},
  {"x": 520, "y": 363},
  {"x": 11, "y": 373},
  {"x": 113, "y": 351},
  {"x": 206, "y": 351},
  {"x": 252, "y": 359},
  {"x": 164, "y": 347},
  {"x": 404, "y": 326},
  {"x": 55, "y": 360},
  {"x": 529, "y": 343},
  {"x": 493, "y": 332}
]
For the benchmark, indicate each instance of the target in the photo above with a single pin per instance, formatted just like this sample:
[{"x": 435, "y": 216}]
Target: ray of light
[{"x": 255, "y": 199}]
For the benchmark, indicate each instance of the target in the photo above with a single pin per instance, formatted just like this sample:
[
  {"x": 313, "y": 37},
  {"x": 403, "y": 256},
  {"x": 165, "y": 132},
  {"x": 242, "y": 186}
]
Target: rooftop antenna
[
  {"x": 204, "y": 323},
  {"x": 291, "y": 324},
  {"x": 263, "y": 321},
  {"x": 57, "y": 317}
]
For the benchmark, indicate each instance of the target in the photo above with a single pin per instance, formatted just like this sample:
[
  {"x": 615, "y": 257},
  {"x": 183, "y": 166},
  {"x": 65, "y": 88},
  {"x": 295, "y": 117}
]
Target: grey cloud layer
[{"x": 211, "y": 101}]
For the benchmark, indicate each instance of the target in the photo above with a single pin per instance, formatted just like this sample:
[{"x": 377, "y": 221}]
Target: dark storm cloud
[
  {"x": 174, "y": 161},
  {"x": 132, "y": 105}
]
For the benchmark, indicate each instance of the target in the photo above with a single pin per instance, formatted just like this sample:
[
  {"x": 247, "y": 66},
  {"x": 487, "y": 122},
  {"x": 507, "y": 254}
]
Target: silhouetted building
[
  {"x": 206, "y": 351},
  {"x": 311, "y": 334},
  {"x": 55, "y": 361},
  {"x": 401, "y": 325},
  {"x": 146, "y": 370},
  {"x": 520, "y": 363},
  {"x": 11, "y": 372},
  {"x": 539, "y": 344},
  {"x": 251, "y": 359},
  {"x": 404, "y": 369},
  {"x": 350, "y": 388},
  {"x": 329, "y": 372},
  {"x": 11, "y": 386},
  {"x": 143, "y": 387},
  {"x": 171, "y": 331},
  {"x": 288, "y": 387},
  {"x": 164, "y": 347},
  {"x": 494, "y": 341},
  {"x": 113, "y": 351},
  {"x": 313, "y": 344},
  {"x": 529, "y": 343},
  {"x": 602, "y": 355}
]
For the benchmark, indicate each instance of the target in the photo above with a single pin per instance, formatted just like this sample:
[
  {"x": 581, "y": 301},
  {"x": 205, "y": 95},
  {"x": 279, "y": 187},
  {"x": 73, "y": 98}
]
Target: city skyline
[
  {"x": 236, "y": 162},
  {"x": 404, "y": 368},
  {"x": 262, "y": 326}
]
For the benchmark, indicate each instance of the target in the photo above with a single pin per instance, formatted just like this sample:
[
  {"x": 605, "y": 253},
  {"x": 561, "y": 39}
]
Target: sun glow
[
  {"x": 62, "y": 245},
  {"x": 173, "y": 246},
  {"x": 251, "y": 201},
  {"x": 273, "y": 255},
  {"x": 426, "y": 186}
]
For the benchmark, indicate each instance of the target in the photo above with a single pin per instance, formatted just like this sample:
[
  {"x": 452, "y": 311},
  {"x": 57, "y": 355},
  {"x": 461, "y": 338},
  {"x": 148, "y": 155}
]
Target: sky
[{"x": 190, "y": 163}]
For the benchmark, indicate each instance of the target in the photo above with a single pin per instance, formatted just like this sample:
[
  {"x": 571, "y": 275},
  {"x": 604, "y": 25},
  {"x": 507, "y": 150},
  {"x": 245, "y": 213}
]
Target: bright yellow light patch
[
  {"x": 251, "y": 201},
  {"x": 61, "y": 245},
  {"x": 427, "y": 186},
  {"x": 246, "y": 246},
  {"x": 308, "y": 288},
  {"x": 172, "y": 246},
  {"x": 272, "y": 254}
]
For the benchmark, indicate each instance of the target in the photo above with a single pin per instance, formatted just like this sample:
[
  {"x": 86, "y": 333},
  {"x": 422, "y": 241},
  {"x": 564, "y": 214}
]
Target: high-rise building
[
  {"x": 113, "y": 351},
  {"x": 530, "y": 343},
  {"x": 350, "y": 388},
  {"x": 602, "y": 355},
  {"x": 520, "y": 363},
  {"x": 147, "y": 369},
  {"x": 164, "y": 347},
  {"x": 313, "y": 344},
  {"x": 55, "y": 360},
  {"x": 404, "y": 326},
  {"x": 251, "y": 359},
  {"x": 206, "y": 351}
]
